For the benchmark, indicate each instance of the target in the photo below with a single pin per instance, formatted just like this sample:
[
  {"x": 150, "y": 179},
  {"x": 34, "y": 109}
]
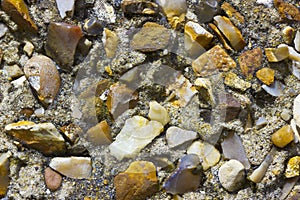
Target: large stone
[
  {"x": 43, "y": 137},
  {"x": 250, "y": 61},
  {"x": 287, "y": 11},
  {"x": 136, "y": 134},
  {"x": 139, "y": 181},
  {"x": 158, "y": 113},
  {"x": 177, "y": 137},
  {"x": 73, "y": 167},
  {"x": 4, "y": 173},
  {"x": 277, "y": 54}
]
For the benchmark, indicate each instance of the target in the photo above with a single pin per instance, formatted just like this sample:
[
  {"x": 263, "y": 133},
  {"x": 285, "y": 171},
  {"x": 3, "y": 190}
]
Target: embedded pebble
[
  {"x": 285, "y": 115},
  {"x": 276, "y": 89},
  {"x": 110, "y": 40},
  {"x": 43, "y": 77},
  {"x": 283, "y": 136},
  {"x": 93, "y": 27},
  {"x": 139, "y": 181},
  {"x": 232, "y": 13},
  {"x": 65, "y": 8},
  {"x": 100, "y": 134},
  {"x": 287, "y": 188},
  {"x": 179, "y": 138},
  {"x": 250, "y": 61},
  {"x": 266, "y": 75},
  {"x": 4, "y": 173},
  {"x": 296, "y": 69},
  {"x": 3, "y": 30},
  {"x": 208, "y": 154},
  {"x": 12, "y": 71},
  {"x": 293, "y": 54},
  {"x": 53, "y": 179},
  {"x": 73, "y": 167},
  {"x": 187, "y": 177},
  {"x": 293, "y": 167},
  {"x": 232, "y": 175},
  {"x": 277, "y": 54},
  {"x": 28, "y": 48},
  {"x": 43, "y": 137},
  {"x": 158, "y": 113},
  {"x": 262, "y": 121},
  {"x": 137, "y": 133},
  {"x": 287, "y": 11},
  {"x": 39, "y": 112},
  {"x": 232, "y": 80}
]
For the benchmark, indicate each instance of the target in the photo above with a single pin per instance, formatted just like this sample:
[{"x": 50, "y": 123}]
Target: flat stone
[
  {"x": 283, "y": 136},
  {"x": 179, "y": 138},
  {"x": 139, "y": 181},
  {"x": 276, "y": 89},
  {"x": 145, "y": 7},
  {"x": 12, "y": 71},
  {"x": 65, "y": 8},
  {"x": 73, "y": 167},
  {"x": 110, "y": 40},
  {"x": 43, "y": 77},
  {"x": 232, "y": 175},
  {"x": 4, "y": 173},
  {"x": 266, "y": 75},
  {"x": 62, "y": 40},
  {"x": 208, "y": 154},
  {"x": 277, "y": 54},
  {"x": 136, "y": 134},
  {"x": 232, "y": 80},
  {"x": 100, "y": 134},
  {"x": 43, "y": 137},
  {"x": 158, "y": 113},
  {"x": 93, "y": 26},
  {"x": 293, "y": 167},
  {"x": 220, "y": 37},
  {"x": 212, "y": 61},
  {"x": 53, "y": 179},
  {"x": 250, "y": 61},
  {"x": 151, "y": 37},
  {"x": 18, "y": 11}
]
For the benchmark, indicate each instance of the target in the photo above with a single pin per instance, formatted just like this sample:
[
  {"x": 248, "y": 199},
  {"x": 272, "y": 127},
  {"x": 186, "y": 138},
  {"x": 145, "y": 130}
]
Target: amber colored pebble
[
  {"x": 52, "y": 179},
  {"x": 100, "y": 134},
  {"x": 283, "y": 136},
  {"x": 266, "y": 75}
]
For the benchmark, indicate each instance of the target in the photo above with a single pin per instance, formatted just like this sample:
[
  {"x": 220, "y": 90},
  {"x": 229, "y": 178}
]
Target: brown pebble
[
  {"x": 249, "y": 61},
  {"x": 283, "y": 136},
  {"x": 53, "y": 179},
  {"x": 100, "y": 134}
]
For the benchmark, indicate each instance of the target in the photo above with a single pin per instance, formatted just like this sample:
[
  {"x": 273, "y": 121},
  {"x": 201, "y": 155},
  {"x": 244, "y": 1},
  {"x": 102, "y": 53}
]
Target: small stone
[
  {"x": 206, "y": 10},
  {"x": 179, "y": 138},
  {"x": 39, "y": 112},
  {"x": 277, "y": 54},
  {"x": 293, "y": 167},
  {"x": 65, "y": 8},
  {"x": 4, "y": 173},
  {"x": 53, "y": 179},
  {"x": 297, "y": 41},
  {"x": 276, "y": 89},
  {"x": 139, "y": 181},
  {"x": 212, "y": 61},
  {"x": 187, "y": 176},
  {"x": 158, "y": 113},
  {"x": 230, "y": 105},
  {"x": 18, "y": 11},
  {"x": 62, "y": 40},
  {"x": 145, "y": 7},
  {"x": 43, "y": 137},
  {"x": 28, "y": 48},
  {"x": 110, "y": 40},
  {"x": 72, "y": 132},
  {"x": 288, "y": 34},
  {"x": 233, "y": 81},
  {"x": 151, "y": 37},
  {"x": 100, "y": 134},
  {"x": 285, "y": 115},
  {"x": 136, "y": 134},
  {"x": 43, "y": 77},
  {"x": 204, "y": 86},
  {"x": 27, "y": 112},
  {"x": 296, "y": 110},
  {"x": 3, "y": 30},
  {"x": 13, "y": 71},
  {"x": 18, "y": 83},
  {"x": 232, "y": 175},
  {"x": 208, "y": 154},
  {"x": 287, "y": 11},
  {"x": 73, "y": 167},
  {"x": 93, "y": 27},
  {"x": 293, "y": 54},
  {"x": 262, "y": 121},
  {"x": 220, "y": 37},
  {"x": 283, "y": 136},
  {"x": 266, "y": 75},
  {"x": 231, "y": 12},
  {"x": 231, "y": 32},
  {"x": 249, "y": 61}
]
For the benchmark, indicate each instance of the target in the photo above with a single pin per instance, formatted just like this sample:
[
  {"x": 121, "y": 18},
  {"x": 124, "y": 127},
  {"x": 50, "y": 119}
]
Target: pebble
[
  {"x": 262, "y": 121},
  {"x": 204, "y": 86},
  {"x": 283, "y": 136},
  {"x": 277, "y": 54},
  {"x": 250, "y": 61},
  {"x": 43, "y": 77},
  {"x": 110, "y": 40},
  {"x": 232, "y": 13},
  {"x": 93, "y": 27},
  {"x": 231, "y": 32},
  {"x": 12, "y": 71},
  {"x": 287, "y": 11},
  {"x": 288, "y": 34},
  {"x": 151, "y": 37},
  {"x": 293, "y": 167},
  {"x": 18, "y": 11},
  {"x": 28, "y": 48},
  {"x": 296, "y": 110},
  {"x": 158, "y": 113},
  {"x": 53, "y": 179},
  {"x": 139, "y": 181},
  {"x": 100, "y": 134},
  {"x": 297, "y": 41},
  {"x": 180, "y": 138},
  {"x": 206, "y": 10},
  {"x": 212, "y": 61},
  {"x": 285, "y": 115},
  {"x": 232, "y": 175},
  {"x": 4, "y": 173},
  {"x": 43, "y": 137},
  {"x": 266, "y": 75},
  {"x": 72, "y": 167},
  {"x": 139, "y": 7},
  {"x": 62, "y": 40},
  {"x": 232, "y": 80},
  {"x": 276, "y": 89},
  {"x": 72, "y": 132},
  {"x": 231, "y": 107},
  {"x": 208, "y": 154},
  {"x": 65, "y": 8},
  {"x": 187, "y": 177},
  {"x": 3, "y": 30},
  {"x": 136, "y": 134}
]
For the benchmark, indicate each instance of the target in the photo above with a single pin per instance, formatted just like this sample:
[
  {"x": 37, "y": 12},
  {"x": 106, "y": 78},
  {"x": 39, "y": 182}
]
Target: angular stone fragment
[
  {"x": 293, "y": 167},
  {"x": 18, "y": 11},
  {"x": 100, "y": 134},
  {"x": 204, "y": 86},
  {"x": 283, "y": 136},
  {"x": 13, "y": 71},
  {"x": 187, "y": 176},
  {"x": 65, "y": 8},
  {"x": 232, "y": 13},
  {"x": 288, "y": 34},
  {"x": 287, "y": 11},
  {"x": 52, "y": 179},
  {"x": 110, "y": 40},
  {"x": 137, "y": 133},
  {"x": 3, "y": 30},
  {"x": 43, "y": 77},
  {"x": 139, "y": 181},
  {"x": 230, "y": 105},
  {"x": 212, "y": 61},
  {"x": 231, "y": 32},
  {"x": 43, "y": 137},
  {"x": 151, "y": 37},
  {"x": 208, "y": 154},
  {"x": 62, "y": 40},
  {"x": 232, "y": 175},
  {"x": 4, "y": 173},
  {"x": 73, "y": 167},
  {"x": 139, "y": 7},
  {"x": 233, "y": 81},
  {"x": 72, "y": 132},
  {"x": 266, "y": 75},
  {"x": 277, "y": 54},
  {"x": 276, "y": 89},
  {"x": 179, "y": 138},
  {"x": 220, "y": 37},
  {"x": 28, "y": 48},
  {"x": 250, "y": 60},
  {"x": 297, "y": 41},
  {"x": 158, "y": 113}
]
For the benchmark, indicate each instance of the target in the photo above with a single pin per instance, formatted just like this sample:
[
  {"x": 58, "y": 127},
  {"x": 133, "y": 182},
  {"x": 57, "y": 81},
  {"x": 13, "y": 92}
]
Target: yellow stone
[
  {"x": 283, "y": 136},
  {"x": 111, "y": 41},
  {"x": 232, "y": 80},
  {"x": 232, "y": 13},
  {"x": 277, "y": 54},
  {"x": 266, "y": 75},
  {"x": 100, "y": 134},
  {"x": 293, "y": 167},
  {"x": 198, "y": 34},
  {"x": 220, "y": 37}
]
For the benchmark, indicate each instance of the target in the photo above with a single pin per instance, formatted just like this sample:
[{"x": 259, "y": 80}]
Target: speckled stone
[
  {"x": 250, "y": 61},
  {"x": 287, "y": 11},
  {"x": 293, "y": 167},
  {"x": 233, "y": 81},
  {"x": 283, "y": 136},
  {"x": 288, "y": 34},
  {"x": 266, "y": 75},
  {"x": 4, "y": 173},
  {"x": 53, "y": 179}
]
